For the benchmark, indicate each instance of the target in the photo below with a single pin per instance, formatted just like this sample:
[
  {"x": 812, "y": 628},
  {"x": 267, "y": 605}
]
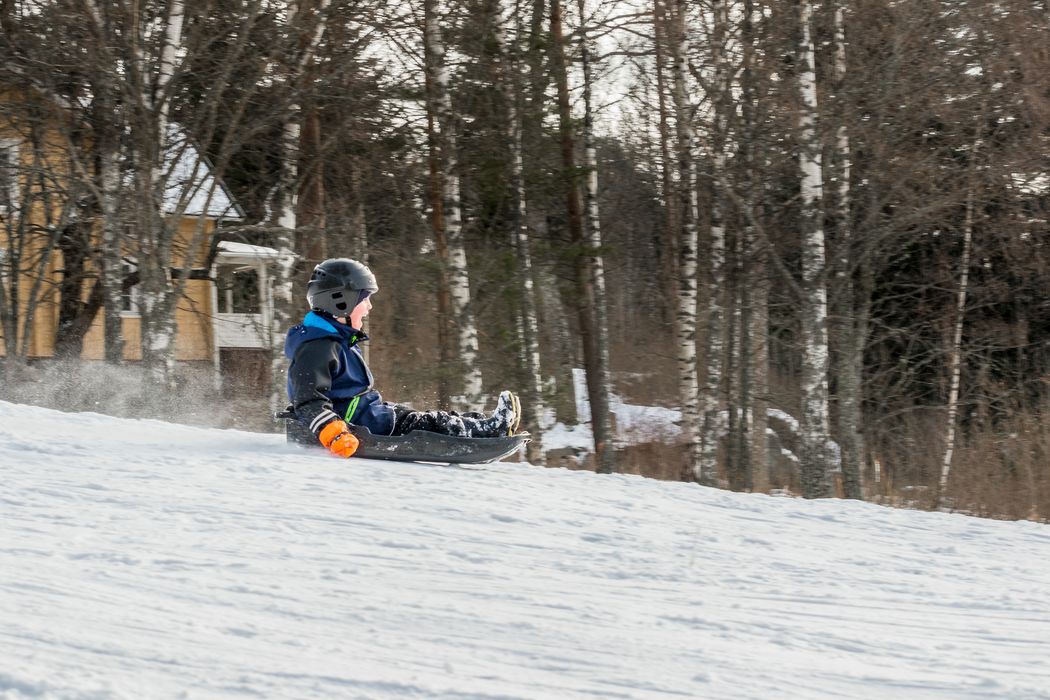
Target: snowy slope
[{"x": 140, "y": 559}]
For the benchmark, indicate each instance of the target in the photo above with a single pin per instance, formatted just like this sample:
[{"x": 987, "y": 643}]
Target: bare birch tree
[
  {"x": 688, "y": 242},
  {"x": 447, "y": 215},
  {"x": 529, "y": 325},
  {"x": 755, "y": 279},
  {"x": 600, "y": 404},
  {"x": 713, "y": 337},
  {"x": 955, "y": 350},
  {"x": 584, "y": 258},
  {"x": 848, "y": 328},
  {"x": 816, "y": 458},
  {"x": 669, "y": 196},
  {"x": 304, "y": 32},
  {"x": 107, "y": 122},
  {"x": 152, "y": 81}
]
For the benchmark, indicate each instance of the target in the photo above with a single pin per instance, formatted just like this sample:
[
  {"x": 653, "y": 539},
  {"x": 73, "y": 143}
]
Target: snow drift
[{"x": 145, "y": 559}]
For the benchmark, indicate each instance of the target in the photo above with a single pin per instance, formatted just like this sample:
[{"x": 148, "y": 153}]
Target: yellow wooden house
[{"x": 224, "y": 316}]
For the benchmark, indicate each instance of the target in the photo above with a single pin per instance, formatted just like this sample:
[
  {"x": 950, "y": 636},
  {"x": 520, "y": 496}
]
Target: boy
[{"x": 329, "y": 384}]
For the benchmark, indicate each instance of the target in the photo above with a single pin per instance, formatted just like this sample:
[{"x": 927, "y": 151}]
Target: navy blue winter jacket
[{"x": 328, "y": 377}]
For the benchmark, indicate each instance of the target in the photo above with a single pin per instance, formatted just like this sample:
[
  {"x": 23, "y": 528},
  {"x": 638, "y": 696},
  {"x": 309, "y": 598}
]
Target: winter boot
[
  {"x": 498, "y": 423},
  {"x": 504, "y": 420}
]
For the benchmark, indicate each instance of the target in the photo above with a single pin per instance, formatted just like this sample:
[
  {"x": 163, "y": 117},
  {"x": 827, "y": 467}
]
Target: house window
[
  {"x": 238, "y": 289},
  {"x": 8, "y": 174},
  {"x": 130, "y": 298}
]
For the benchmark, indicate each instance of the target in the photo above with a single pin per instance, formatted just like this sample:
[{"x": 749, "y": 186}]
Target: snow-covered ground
[{"x": 140, "y": 559}]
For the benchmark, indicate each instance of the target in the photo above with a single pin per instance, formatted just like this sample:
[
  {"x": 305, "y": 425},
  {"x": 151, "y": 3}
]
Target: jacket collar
[{"x": 326, "y": 322}]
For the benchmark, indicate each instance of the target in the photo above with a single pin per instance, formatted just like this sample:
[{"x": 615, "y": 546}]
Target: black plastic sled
[
  {"x": 422, "y": 446},
  {"x": 417, "y": 446}
]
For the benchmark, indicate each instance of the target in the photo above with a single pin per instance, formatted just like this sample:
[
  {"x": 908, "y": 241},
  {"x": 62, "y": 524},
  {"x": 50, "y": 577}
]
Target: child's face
[{"x": 357, "y": 316}]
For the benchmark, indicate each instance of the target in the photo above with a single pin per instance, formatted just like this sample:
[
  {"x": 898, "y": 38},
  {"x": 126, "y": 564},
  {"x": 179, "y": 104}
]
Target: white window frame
[
  {"x": 10, "y": 146},
  {"x": 134, "y": 294},
  {"x": 225, "y": 296}
]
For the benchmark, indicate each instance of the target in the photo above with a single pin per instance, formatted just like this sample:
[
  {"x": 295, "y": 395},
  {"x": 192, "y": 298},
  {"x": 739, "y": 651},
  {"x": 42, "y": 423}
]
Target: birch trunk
[
  {"x": 285, "y": 195},
  {"x": 155, "y": 259},
  {"x": 8, "y": 312},
  {"x": 9, "y": 278},
  {"x": 754, "y": 296},
  {"x": 669, "y": 261},
  {"x": 454, "y": 253},
  {"x": 284, "y": 303},
  {"x": 107, "y": 124},
  {"x": 112, "y": 269},
  {"x": 738, "y": 454},
  {"x": 529, "y": 324},
  {"x": 600, "y": 407},
  {"x": 815, "y": 453},
  {"x": 688, "y": 240},
  {"x": 16, "y": 265},
  {"x": 714, "y": 350},
  {"x": 735, "y": 456},
  {"x": 166, "y": 69},
  {"x": 586, "y": 302},
  {"x": 848, "y": 329},
  {"x": 758, "y": 357},
  {"x": 446, "y": 322},
  {"x": 955, "y": 362}
]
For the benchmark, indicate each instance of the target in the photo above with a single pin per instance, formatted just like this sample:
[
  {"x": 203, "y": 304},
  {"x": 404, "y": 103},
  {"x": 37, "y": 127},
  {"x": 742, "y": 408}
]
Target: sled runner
[{"x": 418, "y": 445}]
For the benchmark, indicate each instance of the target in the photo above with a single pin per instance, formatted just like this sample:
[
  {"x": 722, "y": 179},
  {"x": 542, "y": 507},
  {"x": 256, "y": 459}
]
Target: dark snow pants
[
  {"x": 406, "y": 420},
  {"x": 445, "y": 422}
]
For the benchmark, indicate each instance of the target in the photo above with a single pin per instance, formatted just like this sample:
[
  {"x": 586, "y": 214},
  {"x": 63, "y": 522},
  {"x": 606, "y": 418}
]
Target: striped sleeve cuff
[{"x": 321, "y": 420}]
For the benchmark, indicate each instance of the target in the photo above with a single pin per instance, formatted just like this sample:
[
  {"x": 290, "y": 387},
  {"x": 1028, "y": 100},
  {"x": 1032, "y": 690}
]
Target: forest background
[{"x": 817, "y": 229}]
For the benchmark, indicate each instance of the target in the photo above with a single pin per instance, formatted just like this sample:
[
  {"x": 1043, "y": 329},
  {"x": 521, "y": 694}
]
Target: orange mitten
[{"x": 338, "y": 438}]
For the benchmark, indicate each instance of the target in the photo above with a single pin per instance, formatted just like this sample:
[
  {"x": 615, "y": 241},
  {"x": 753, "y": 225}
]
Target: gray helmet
[{"x": 338, "y": 285}]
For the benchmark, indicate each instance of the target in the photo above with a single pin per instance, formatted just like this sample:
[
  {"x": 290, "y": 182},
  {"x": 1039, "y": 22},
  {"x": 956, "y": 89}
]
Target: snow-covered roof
[
  {"x": 246, "y": 250},
  {"x": 190, "y": 180},
  {"x": 190, "y": 177}
]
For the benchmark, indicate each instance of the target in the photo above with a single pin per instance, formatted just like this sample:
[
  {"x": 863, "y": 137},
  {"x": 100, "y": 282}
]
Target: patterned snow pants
[{"x": 445, "y": 422}]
